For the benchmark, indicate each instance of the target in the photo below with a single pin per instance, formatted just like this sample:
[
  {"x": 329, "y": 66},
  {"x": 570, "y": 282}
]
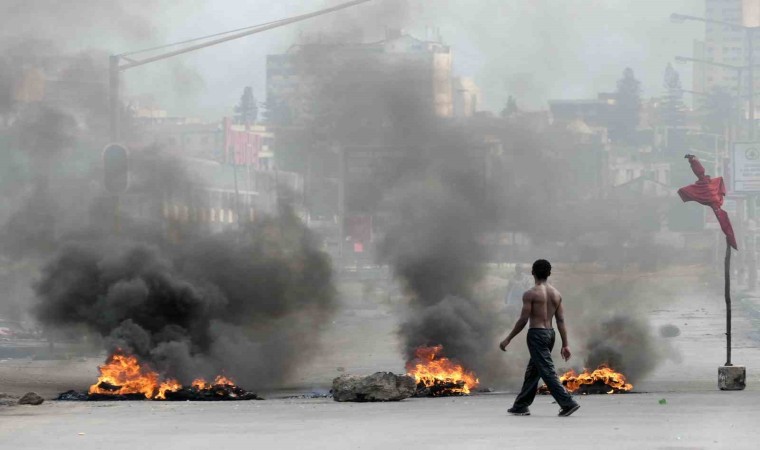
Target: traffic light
[{"x": 116, "y": 168}]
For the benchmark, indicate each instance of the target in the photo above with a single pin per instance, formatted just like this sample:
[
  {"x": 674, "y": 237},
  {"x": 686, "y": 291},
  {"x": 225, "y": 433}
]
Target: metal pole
[
  {"x": 115, "y": 68},
  {"x": 341, "y": 203},
  {"x": 751, "y": 82},
  {"x": 728, "y": 303},
  {"x": 237, "y": 193},
  {"x": 737, "y": 112},
  {"x": 114, "y": 101},
  {"x": 271, "y": 26}
]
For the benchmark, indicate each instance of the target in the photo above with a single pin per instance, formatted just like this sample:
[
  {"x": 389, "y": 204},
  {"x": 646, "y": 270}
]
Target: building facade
[
  {"x": 292, "y": 77},
  {"x": 727, "y": 45}
]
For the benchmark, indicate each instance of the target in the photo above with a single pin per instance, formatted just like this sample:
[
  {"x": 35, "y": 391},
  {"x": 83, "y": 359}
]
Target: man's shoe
[
  {"x": 564, "y": 412},
  {"x": 519, "y": 411}
]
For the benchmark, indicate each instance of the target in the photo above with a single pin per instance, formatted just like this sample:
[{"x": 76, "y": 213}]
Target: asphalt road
[
  {"x": 694, "y": 420},
  {"x": 695, "y": 415}
]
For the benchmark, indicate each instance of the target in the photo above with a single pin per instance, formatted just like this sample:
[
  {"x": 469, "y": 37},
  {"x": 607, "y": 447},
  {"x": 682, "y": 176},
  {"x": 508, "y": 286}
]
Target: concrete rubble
[{"x": 378, "y": 387}]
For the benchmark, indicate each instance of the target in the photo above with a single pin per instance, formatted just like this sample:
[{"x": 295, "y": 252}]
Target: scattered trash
[{"x": 663, "y": 401}]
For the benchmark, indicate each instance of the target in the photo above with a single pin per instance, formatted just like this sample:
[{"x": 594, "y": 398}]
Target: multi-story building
[
  {"x": 724, "y": 44},
  {"x": 292, "y": 76},
  {"x": 466, "y": 97}
]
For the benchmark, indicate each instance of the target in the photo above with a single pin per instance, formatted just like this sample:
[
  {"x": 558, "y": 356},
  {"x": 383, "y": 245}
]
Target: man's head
[{"x": 542, "y": 269}]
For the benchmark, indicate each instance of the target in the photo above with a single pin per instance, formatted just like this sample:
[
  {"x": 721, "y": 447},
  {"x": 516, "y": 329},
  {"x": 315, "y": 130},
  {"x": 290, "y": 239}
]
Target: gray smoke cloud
[
  {"x": 53, "y": 117},
  {"x": 626, "y": 344},
  {"x": 433, "y": 200},
  {"x": 609, "y": 324},
  {"x": 432, "y": 243},
  {"x": 35, "y": 18},
  {"x": 248, "y": 303}
]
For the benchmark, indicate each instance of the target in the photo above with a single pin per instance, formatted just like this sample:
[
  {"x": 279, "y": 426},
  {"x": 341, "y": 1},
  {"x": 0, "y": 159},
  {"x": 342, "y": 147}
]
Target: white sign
[{"x": 746, "y": 163}]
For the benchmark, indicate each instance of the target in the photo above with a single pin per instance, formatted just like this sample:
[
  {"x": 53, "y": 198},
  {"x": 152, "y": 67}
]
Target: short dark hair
[{"x": 542, "y": 269}]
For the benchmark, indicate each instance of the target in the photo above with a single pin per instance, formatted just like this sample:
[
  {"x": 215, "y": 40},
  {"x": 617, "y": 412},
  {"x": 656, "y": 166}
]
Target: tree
[
  {"x": 510, "y": 109},
  {"x": 672, "y": 107},
  {"x": 247, "y": 111},
  {"x": 624, "y": 120}
]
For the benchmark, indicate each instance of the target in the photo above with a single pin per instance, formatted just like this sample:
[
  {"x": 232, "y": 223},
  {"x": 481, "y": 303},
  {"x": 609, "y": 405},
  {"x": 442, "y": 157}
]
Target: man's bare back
[
  {"x": 544, "y": 300},
  {"x": 541, "y": 305}
]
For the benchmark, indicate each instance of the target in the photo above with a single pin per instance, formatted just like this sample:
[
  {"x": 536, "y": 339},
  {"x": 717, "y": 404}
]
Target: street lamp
[
  {"x": 124, "y": 61},
  {"x": 739, "y": 70},
  {"x": 750, "y": 34}
]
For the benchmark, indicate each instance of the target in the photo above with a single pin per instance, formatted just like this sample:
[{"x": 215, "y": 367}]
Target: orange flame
[
  {"x": 122, "y": 374},
  {"x": 220, "y": 380},
  {"x": 428, "y": 368},
  {"x": 615, "y": 380}
]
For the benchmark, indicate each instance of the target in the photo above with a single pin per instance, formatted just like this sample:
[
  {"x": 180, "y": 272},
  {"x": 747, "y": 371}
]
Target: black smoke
[
  {"x": 433, "y": 200},
  {"x": 246, "y": 303},
  {"x": 624, "y": 343},
  {"x": 434, "y": 244}
]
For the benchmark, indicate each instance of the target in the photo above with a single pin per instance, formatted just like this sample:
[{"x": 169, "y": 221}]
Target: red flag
[{"x": 709, "y": 192}]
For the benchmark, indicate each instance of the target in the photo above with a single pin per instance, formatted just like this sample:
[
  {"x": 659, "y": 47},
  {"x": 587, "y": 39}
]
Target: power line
[{"x": 188, "y": 41}]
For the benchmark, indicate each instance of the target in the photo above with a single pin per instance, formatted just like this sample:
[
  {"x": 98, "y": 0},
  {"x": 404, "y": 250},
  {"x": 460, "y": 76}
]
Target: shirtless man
[{"x": 541, "y": 303}]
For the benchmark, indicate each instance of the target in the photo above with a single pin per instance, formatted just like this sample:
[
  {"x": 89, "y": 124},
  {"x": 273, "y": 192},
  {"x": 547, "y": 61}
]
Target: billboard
[
  {"x": 746, "y": 164},
  {"x": 242, "y": 146}
]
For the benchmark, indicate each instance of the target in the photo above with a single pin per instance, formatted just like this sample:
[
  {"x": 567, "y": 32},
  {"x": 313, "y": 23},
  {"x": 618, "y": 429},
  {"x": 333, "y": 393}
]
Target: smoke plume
[
  {"x": 608, "y": 324},
  {"x": 624, "y": 343},
  {"x": 248, "y": 303},
  {"x": 433, "y": 198}
]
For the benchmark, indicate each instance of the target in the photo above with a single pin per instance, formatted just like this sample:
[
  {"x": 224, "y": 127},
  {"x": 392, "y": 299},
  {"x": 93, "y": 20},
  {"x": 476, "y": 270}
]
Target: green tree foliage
[
  {"x": 672, "y": 108},
  {"x": 625, "y": 116},
  {"x": 247, "y": 111}
]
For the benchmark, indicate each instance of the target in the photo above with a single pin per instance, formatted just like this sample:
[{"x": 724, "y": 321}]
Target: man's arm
[
  {"x": 560, "y": 316},
  {"x": 521, "y": 322}
]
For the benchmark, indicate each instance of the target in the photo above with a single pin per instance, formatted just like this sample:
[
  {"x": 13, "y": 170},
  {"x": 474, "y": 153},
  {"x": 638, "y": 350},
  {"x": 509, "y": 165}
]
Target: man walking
[{"x": 540, "y": 305}]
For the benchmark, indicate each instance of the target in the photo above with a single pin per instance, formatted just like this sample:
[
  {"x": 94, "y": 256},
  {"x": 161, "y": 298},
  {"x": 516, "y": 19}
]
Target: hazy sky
[
  {"x": 532, "y": 49},
  {"x": 535, "y": 49}
]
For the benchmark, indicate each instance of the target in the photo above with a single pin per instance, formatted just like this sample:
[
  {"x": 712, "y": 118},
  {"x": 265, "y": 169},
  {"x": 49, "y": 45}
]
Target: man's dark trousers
[{"x": 540, "y": 345}]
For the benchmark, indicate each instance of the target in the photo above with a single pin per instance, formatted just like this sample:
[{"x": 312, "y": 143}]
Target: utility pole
[
  {"x": 114, "y": 98},
  {"x": 116, "y": 66},
  {"x": 751, "y": 80}
]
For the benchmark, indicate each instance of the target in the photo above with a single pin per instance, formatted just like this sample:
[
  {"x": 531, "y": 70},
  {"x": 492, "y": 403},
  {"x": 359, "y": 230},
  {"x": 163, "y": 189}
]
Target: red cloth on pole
[{"x": 709, "y": 192}]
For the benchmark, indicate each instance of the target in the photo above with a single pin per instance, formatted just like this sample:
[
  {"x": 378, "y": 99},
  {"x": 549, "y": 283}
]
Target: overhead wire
[{"x": 188, "y": 41}]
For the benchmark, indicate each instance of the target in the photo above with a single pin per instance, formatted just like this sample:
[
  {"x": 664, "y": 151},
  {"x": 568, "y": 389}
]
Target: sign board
[
  {"x": 242, "y": 145},
  {"x": 750, "y": 13},
  {"x": 746, "y": 164}
]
